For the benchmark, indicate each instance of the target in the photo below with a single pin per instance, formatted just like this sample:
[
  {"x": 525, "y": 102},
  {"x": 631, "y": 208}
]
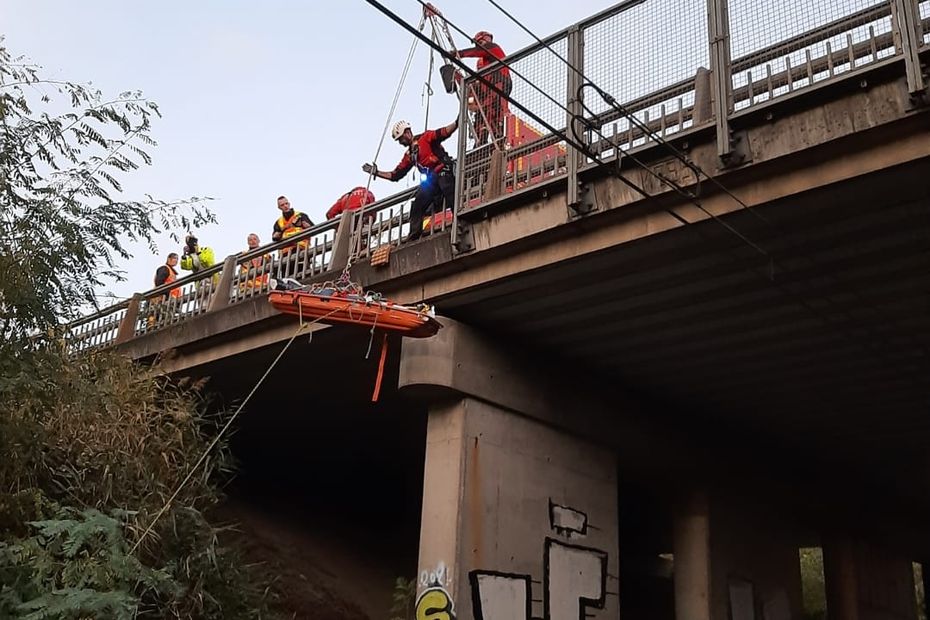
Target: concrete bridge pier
[
  {"x": 519, "y": 519},
  {"x": 865, "y": 582},
  {"x": 732, "y": 563}
]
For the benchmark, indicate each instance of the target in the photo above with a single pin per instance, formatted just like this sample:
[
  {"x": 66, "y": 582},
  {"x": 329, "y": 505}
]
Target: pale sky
[{"x": 258, "y": 98}]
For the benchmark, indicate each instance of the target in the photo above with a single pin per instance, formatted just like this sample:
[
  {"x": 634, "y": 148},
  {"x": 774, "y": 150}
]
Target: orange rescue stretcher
[
  {"x": 350, "y": 306},
  {"x": 367, "y": 310}
]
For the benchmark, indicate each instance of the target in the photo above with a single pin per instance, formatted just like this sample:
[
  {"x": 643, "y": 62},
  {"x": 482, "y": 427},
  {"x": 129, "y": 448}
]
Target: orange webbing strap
[{"x": 384, "y": 343}]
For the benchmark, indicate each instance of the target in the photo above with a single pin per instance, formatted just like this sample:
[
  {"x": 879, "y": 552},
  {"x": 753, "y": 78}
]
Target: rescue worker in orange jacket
[
  {"x": 492, "y": 106},
  {"x": 157, "y": 309},
  {"x": 166, "y": 274},
  {"x": 289, "y": 224},
  {"x": 425, "y": 151},
  {"x": 352, "y": 200},
  {"x": 255, "y": 272}
]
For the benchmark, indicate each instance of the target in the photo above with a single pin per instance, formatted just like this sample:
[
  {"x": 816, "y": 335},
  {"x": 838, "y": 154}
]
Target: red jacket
[
  {"x": 353, "y": 199},
  {"x": 426, "y": 153},
  {"x": 486, "y": 55}
]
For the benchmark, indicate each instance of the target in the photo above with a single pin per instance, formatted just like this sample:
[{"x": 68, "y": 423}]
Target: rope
[
  {"x": 400, "y": 87},
  {"x": 203, "y": 457}
]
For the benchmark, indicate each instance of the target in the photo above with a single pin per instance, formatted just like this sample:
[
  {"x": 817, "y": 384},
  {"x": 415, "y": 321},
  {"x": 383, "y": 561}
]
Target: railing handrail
[
  {"x": 99, "y": 314},
  {"x": 809, "y": 37}
]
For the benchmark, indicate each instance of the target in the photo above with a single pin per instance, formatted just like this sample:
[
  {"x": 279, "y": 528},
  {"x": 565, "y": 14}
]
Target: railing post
[
  {"x": 718, "y": 25},
  {"x": 461, "y": 234},
  {"x": 905, "y": 20},
  {"x": 579, "y": 202},
  {"x": 342, "y": 242},
  {"x": 224, "y": 286},
  {"x": 127, "y": 327}
]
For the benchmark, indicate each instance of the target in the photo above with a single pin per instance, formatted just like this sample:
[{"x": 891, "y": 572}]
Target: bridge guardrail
[
  {"x": 777, "y": 56},
  {"x": 97, "y": 330},
  {"x": 248, "y": 274},
  {"x": 806, "y": 42},
  {"x": 637, "y": 53}
]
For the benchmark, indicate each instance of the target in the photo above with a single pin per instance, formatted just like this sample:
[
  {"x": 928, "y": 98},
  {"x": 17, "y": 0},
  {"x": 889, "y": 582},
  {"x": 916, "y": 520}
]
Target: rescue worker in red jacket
[
  {"x": 492, "y": 106},
  {"x": 425, "y": 151},
  {"x": 352, "y": 200}
]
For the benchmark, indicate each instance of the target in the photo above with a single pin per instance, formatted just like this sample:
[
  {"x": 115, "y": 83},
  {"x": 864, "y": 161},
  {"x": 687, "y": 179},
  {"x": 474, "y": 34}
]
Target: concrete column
[
  {"x": 519, "y": 520},
  {"x": 692, "y": 559},
  {"x": 840, "y": 578},
  {"x": 866, "y": 582},
  {"x": 733, "y": 561}
]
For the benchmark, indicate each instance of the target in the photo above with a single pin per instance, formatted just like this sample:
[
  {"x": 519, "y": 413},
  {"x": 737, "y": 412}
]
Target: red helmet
[{"x": 483, "y": 34}]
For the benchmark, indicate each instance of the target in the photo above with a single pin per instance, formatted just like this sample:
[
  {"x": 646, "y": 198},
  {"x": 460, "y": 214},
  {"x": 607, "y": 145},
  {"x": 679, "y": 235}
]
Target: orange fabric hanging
[{"x": 384, "y": 343}]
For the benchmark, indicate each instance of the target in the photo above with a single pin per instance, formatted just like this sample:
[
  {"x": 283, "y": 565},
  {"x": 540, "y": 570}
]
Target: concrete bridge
[{"x": 671, "y": 358}]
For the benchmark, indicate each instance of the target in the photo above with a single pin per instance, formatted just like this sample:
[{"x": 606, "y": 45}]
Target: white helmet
[{"x": 399, "y": 128}]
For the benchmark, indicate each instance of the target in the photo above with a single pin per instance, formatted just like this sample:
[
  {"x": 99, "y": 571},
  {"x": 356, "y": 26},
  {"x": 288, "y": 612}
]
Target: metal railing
[
  {"x": 655, "y": 58},
  {"x": 777, "y": 55},
  {"x": 668, "y": 62},
  {"x": 246, "y": 275},
  {"x": 97, "y": 330}
]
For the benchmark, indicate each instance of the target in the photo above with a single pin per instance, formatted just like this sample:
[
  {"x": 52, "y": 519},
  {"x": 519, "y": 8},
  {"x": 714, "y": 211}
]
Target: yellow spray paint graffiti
[{"x": 435, "y": 604}]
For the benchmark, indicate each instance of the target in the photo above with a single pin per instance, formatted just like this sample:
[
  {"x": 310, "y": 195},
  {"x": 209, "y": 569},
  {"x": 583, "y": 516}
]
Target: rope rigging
[{"x": 578, "y": 142}]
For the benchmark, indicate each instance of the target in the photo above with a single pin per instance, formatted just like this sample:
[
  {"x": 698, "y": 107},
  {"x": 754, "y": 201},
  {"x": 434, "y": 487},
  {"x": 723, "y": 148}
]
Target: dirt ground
[{"x": 321, "y": 569}]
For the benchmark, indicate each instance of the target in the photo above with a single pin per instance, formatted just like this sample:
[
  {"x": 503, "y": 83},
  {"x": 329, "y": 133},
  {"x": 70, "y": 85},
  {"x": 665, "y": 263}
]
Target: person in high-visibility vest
[
  {"x": 195, "y": 259},
  {"x": 254, "y": 273},
  {"x": 289, "y": 224},
  {"x": 166, "y": 274}
]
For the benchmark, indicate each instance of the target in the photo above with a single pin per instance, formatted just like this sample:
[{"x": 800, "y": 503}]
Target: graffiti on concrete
[
  {"x": 567, "y": 521},
  {"x": 435, "y": 603},
  {"x": 574, "y": 578},
  {"x": 439, "y": 575},
  {"x": 500, "y": 596}
]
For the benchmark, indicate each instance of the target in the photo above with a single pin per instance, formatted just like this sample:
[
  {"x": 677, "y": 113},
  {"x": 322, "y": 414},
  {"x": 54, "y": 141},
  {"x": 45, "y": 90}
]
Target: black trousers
[{"x": 438, "y": 189}]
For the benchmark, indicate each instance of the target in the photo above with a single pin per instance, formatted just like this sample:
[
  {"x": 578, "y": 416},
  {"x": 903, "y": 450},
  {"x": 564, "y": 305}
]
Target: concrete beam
[{"x": 462, "y": 362}]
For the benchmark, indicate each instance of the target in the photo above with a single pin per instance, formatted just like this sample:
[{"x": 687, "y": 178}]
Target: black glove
[{"x": 371, "y": 169}]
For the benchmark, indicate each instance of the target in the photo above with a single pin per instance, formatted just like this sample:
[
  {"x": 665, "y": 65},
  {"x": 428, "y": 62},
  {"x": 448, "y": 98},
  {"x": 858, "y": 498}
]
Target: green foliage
[
  {"x": 77, "y": 565},
  {"x": 63, "y": 226},
  {"x": 812, "y": 584},
  {"x": 919, "y": 593},
  {"x": 403, "y": 599},
  {"x": 94, "y": 446},
  {"x": 101, "y": 437}
]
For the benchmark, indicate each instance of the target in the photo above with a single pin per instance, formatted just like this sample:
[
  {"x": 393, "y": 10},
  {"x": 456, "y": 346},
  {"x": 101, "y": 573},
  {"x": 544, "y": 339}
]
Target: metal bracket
[
  {"x": 584, "y": 205},
  {"x": 464, "y": 238},
  {"x": 739, "y": 152}
]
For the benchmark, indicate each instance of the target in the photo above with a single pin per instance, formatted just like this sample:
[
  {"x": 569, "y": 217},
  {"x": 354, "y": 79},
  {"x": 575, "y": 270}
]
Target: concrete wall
[{"x": 519, "y": 520}]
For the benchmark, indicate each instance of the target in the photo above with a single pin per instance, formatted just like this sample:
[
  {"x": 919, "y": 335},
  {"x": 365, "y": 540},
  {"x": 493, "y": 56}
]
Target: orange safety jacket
[
  {"x": 289, "y": 228},
  {"x": 255, "y": 264},
  {"x": 172, "y": 276}
]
